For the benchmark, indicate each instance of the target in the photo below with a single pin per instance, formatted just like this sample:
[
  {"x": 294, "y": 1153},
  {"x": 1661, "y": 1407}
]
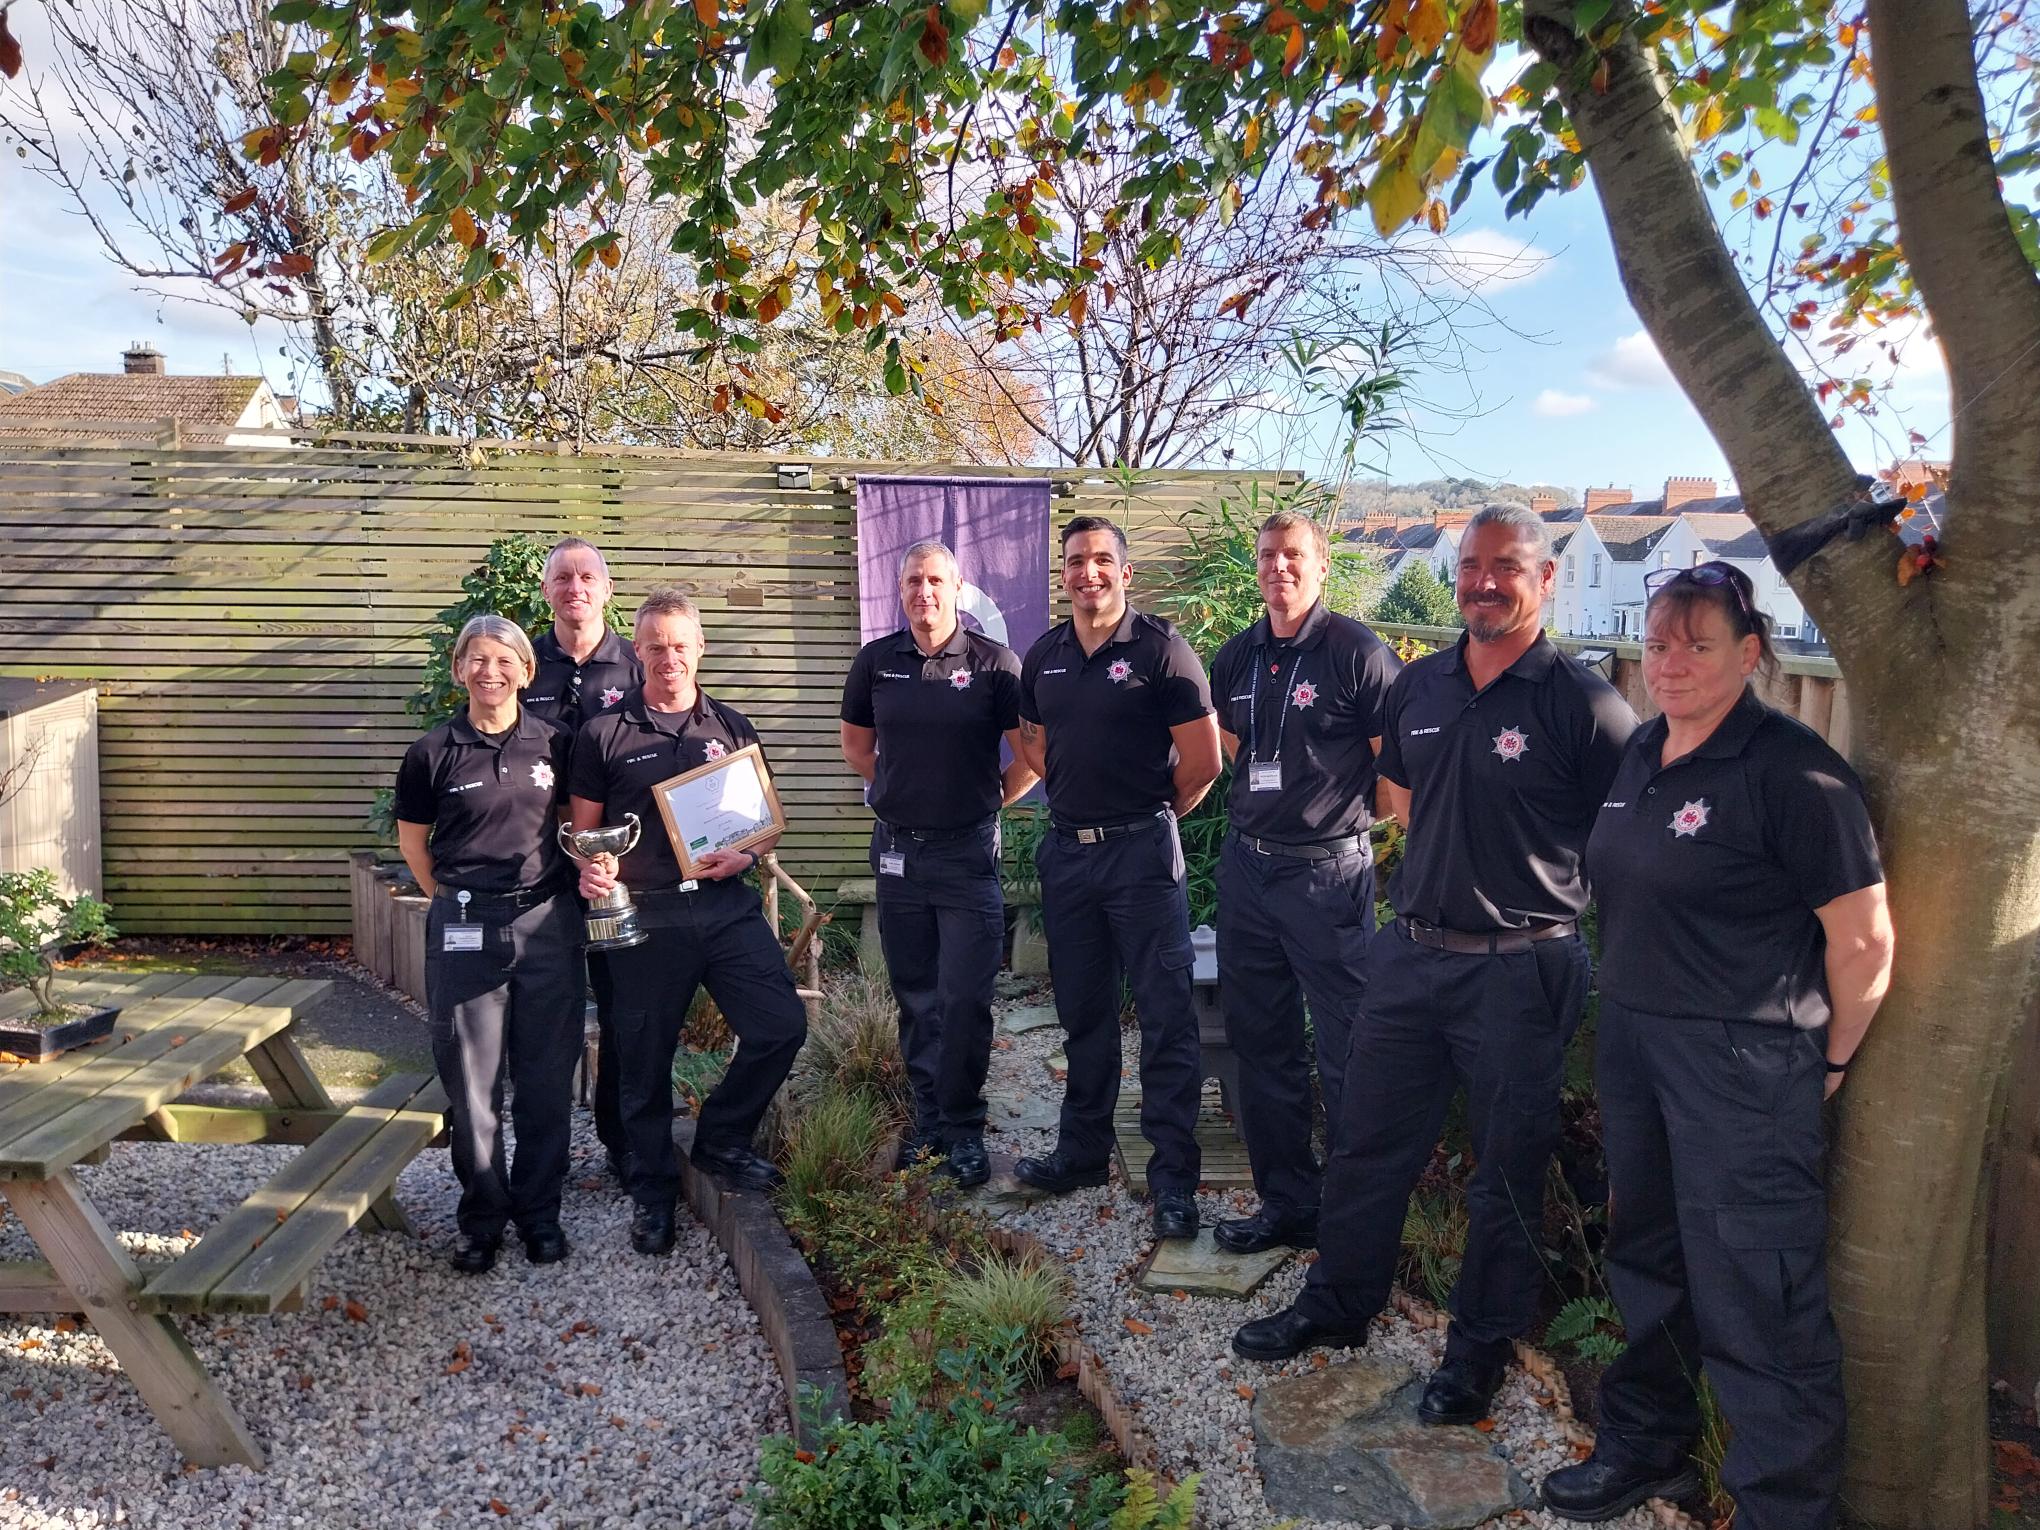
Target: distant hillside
[{"x": 1364, "y": 499}]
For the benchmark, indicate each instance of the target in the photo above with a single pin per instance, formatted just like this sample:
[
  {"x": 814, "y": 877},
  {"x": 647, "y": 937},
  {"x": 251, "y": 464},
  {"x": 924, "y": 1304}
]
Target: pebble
[
  {"x": 1188, "y": 1392},
  {"x": 610, "y": 1390}
]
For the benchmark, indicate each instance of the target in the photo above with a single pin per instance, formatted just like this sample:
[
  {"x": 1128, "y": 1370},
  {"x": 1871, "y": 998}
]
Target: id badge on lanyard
[
  {"x": 462, "y": 936},
  {"x": 1266, "y": 775}
]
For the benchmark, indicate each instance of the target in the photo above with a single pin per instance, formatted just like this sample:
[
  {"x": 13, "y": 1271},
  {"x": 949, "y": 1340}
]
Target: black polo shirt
[
  {"x": 621, "y": 754},
  {"x": 571, "y": 693},
  {"x": 939, "y": 719},
  {"x": 1707, "y": 871},
  {"x": 1108, "y": 716},
  {"x": 1504, "y": 784},
  {"x": 493, "y": 804},
  {"x": 1311, "y": 704}
]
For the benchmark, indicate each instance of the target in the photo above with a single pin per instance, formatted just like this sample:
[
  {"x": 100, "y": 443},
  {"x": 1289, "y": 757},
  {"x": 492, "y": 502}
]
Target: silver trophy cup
[{"x": 612, "y": 918}]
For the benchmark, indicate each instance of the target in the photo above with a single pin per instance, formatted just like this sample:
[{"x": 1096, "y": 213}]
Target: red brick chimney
[
  {"x": 1683, "y": 491},
  {"x": 142, "y": 358},
  {"x": 1544, "y": 504},
  {"x": 1606, "y": 499}
]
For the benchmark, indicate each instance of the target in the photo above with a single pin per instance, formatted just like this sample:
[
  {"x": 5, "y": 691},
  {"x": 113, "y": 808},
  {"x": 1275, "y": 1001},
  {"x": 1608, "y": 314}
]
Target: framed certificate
[{"x": 727, "y": 804}]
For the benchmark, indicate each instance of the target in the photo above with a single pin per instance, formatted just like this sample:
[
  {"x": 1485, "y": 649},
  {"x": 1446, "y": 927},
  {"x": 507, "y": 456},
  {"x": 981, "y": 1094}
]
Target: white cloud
[
  {"x": 1631, "y": 362},
  {"x": 1481, "y": 258},
  {"x": 1553, "y": 404}
]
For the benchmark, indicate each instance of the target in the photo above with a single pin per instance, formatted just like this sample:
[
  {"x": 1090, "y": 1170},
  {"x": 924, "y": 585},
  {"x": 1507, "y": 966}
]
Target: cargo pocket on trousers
[{"x": 1779, "y": 1251}]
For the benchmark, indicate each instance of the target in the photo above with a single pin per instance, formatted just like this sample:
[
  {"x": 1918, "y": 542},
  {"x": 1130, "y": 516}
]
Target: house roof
[
  {"x": 1729, "y": 536},
  {"x": 1560, "y": 538},
  {"x": 1564, "y": 515},
  {"x": 1417, "y": 537},
  {"x": 1631, "y": 538},
  {"x": 207, "y": 407}
]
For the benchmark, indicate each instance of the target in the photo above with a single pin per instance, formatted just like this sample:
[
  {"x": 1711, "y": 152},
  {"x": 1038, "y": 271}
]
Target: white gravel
[
  {"x": 608, "y": 1390},
  {"x": 1190, "y": 1394}
]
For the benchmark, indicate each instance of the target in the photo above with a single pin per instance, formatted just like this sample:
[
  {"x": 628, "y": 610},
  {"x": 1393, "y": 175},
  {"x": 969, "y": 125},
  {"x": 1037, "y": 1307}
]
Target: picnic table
[{"x": 174, "y": 1032}]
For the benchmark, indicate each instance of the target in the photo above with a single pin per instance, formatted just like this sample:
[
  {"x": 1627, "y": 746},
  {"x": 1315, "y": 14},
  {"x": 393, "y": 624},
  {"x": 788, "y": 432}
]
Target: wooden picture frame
[{"x": 726, "y": 804}]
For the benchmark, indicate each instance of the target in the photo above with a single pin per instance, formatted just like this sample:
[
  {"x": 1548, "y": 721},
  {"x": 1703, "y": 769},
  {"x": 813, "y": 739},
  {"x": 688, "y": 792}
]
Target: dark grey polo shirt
[
  {"x": 493, "y": 804},
  {"x": 571, "y": 693},
  {"x": 939, "y": 720}
]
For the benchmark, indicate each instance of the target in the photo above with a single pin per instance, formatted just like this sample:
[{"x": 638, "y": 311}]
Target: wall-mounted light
[{"x": 796, "y": 475}]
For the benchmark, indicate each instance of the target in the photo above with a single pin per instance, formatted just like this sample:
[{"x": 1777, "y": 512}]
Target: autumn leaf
[
  {"x": 1477, "y": 31},
  {"x": 356, "y": 1313},
  {"x": 341, "y": 87},
  {"x": 10, "y": 50},
  {"x": 328, "y": 1302},
  {"x": 1136, "y": 1326},
  {"x": 1292, "y": 51},
  {"x": 611, "y": 255},
  {"x": 1427, "y": 25},
  {"x": 464, "y": 228},
  {"x": 291, "y": 265},
  {"x": 1485, "y": 1426},
  {"x": 707, "y": 12},
  {"x": 589, "y": 1389},
  {"x": 1395, "y": 196},
  {"x": 1245, "y": 1391},
  {"x": 1709, "y": 122},
  {"x": 241, "y": 201},
  {"x": 934, "y": 37},
  {"x": 499, "y": 1507}
]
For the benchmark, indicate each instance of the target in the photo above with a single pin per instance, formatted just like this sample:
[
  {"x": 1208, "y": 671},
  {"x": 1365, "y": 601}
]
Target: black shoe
[
  {"x": 1288, "y": 1333},
  {"x": 545, "y": 1245},
  {"x": 1266, "y": 1229},
  {"x": 1175, "y": 1214},
  {"x": 651, "y": 1230},
  {"x": 1460, "y": 1392},
  {"x": 1597, "y": 1489},
  {"x": 474, "y": 1256},
  {"x": 1057, "y": 1174},
  {"x": 965, "y": 1162},
  {"x": 737, "y": 1168}
]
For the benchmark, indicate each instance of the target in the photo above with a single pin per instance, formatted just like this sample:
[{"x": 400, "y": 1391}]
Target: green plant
[
  {"x": 1418, "y": 598},
  {"x": 1023, "y": 1298},
  {"x": 937, "y": 1465},
  {"x": 832, "y": 1140},
  {"x": 36, "y": 923},
  {"x": 1433, "y": 1242},
  {"x": 695, "y": 1073},
  {"x": 1590, "y": 1326},
  {"x": 854, "y": 1044},
  {"x": 1708, "y": 1452},
  {"x": 505, "y": 583}
]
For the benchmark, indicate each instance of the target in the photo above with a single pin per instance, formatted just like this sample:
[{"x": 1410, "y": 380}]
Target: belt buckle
[{"x": 1090, "y": 836}]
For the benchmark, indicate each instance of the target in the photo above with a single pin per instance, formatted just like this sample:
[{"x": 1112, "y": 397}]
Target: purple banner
[{"x": 998, "y": 528}]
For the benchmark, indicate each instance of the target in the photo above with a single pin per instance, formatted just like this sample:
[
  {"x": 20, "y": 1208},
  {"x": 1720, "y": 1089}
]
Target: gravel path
[
  {"x": 1192, "y": 1396},
  {"x": 610, "y": 1390}
]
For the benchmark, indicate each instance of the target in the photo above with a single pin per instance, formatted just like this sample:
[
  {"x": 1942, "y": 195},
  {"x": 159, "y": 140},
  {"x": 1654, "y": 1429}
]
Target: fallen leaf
[
  {"x": 1320, "y": 1360},
  {"x": 499, "y": 1506},
  {"x": 1245, "y": 1391},
  {"x": 1067, "y": 1370},
  {"x": 67, "y": 1325},
  {"x": 1135, "y": 1325},
  {"x": 356, "y": 1313},
  {"x": 1485, "y": 1426},
  {"x": 589, "y": 1389},
  {"x": 31, "y": 1343},
  {"x": 328, "y": 1303}
]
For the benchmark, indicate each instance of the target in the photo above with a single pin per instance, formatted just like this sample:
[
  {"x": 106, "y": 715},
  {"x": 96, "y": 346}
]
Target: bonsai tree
[{"x": 35, "y": 924}]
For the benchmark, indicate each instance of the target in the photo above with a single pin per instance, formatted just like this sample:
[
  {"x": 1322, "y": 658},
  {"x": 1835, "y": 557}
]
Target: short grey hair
[
  {"x": 1527, "y": 524},
  {"x": 928, "y": 547},
  {"x": 496, "y": 629},
  {"x": 572, "y": 544},
  {"x": 666, "y": 601}
]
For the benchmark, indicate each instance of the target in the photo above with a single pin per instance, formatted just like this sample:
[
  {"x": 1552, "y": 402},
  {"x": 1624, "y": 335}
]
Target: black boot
[{"x": 1598, "y": 1489}]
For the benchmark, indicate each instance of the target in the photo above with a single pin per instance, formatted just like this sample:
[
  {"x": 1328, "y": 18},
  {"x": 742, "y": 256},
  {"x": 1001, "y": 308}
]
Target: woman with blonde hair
[{"x": 478, "y": 808}]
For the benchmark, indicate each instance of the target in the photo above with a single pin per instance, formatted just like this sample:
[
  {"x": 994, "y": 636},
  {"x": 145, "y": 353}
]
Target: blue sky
[{"x": 1556, "y": 384}]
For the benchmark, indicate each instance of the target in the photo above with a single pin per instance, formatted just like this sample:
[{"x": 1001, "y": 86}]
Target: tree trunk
[{"x": 1944, "y": 682}]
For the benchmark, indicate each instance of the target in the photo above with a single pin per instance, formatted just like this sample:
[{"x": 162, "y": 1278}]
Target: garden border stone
[{"x": 782, "y": 1290}]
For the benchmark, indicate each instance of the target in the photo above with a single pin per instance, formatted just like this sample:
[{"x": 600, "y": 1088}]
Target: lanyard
[{"x": 1254, "y": 707}]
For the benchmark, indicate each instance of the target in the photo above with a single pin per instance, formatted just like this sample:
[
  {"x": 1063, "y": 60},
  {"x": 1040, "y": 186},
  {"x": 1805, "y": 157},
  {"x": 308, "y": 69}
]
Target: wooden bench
[{"x": 264, "y": 1250}]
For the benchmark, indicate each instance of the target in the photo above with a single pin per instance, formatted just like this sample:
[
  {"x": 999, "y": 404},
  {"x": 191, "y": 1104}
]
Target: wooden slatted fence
[{"x": 255, "y": 618}]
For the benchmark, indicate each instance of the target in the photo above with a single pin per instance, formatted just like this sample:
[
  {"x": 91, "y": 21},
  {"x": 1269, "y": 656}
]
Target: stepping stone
[
  {"x": 1059, "y": 1063},
  {"x": 1030, "y": 946},
  {"x": 1202, "y": 1268},
  {"x": 1344, "y": 1444},
  {"x": 1004, "y": 1189},
  {"x": 1021, "y": 1113},
  {"x": 1010, "y": 985},
  {"x": 1035, "y": 1017}
]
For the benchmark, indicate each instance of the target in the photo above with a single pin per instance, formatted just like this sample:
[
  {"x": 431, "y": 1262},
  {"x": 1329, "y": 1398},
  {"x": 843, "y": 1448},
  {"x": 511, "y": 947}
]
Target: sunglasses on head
[{"x": 1707, "y": 575}]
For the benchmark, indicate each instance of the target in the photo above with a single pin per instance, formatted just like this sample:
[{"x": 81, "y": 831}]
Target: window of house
[
  {"x": 1594, "y": 570},
  {"x": 1571, "y": 571},
  {"x": 1664, "y": 560}
]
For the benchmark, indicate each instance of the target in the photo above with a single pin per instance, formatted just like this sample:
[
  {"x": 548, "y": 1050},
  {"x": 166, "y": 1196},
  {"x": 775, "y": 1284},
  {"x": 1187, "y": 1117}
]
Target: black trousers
[
  {"x": 1111, "y": 910},
  {"x": 1435, "y": 1019},
  {"x": 1717, "y": 1256},
  {"x": 942, "y": 925},
  {"x": 715, "y": 936},
  {"x": 1290, "y": 930},
  {"x": 608, "y": 1112},
  {"x": 509, "y": 1012}
]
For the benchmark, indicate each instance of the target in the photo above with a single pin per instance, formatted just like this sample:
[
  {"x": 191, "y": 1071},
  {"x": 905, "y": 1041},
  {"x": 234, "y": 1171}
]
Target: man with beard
[{"x": 1495, "y": 755}]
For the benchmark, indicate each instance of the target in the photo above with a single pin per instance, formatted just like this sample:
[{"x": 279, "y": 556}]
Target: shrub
[
  {"x": 831, "y": 1141},
  {"x": 1026, "y": 1299},
  {"x": 1433, "y": 1242},
  {"x": 935, "y": 1467},
  {"x": 853, "y": 1045},
  {"x": 1418, "y": 598},
  {"x": 35, "y": 923}
]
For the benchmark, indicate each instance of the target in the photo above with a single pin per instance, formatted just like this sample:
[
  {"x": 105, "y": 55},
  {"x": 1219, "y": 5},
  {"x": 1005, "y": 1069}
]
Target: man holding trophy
[{"x": 703, "y": 925}]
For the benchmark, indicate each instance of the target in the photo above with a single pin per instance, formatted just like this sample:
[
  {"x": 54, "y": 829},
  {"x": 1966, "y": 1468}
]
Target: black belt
[
  {"x": 933, "y": 836},
  {"x": 514, "y": 901},
  {"x": 1321, "y": 850},
  {"x": 1491, "y": 943},
  {"x": 1091, "y": 834}
]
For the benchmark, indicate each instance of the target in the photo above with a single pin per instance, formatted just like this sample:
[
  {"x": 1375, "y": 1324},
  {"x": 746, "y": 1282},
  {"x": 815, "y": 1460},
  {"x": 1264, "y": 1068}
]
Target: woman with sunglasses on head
[{"x": 1745, "y": 946}]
